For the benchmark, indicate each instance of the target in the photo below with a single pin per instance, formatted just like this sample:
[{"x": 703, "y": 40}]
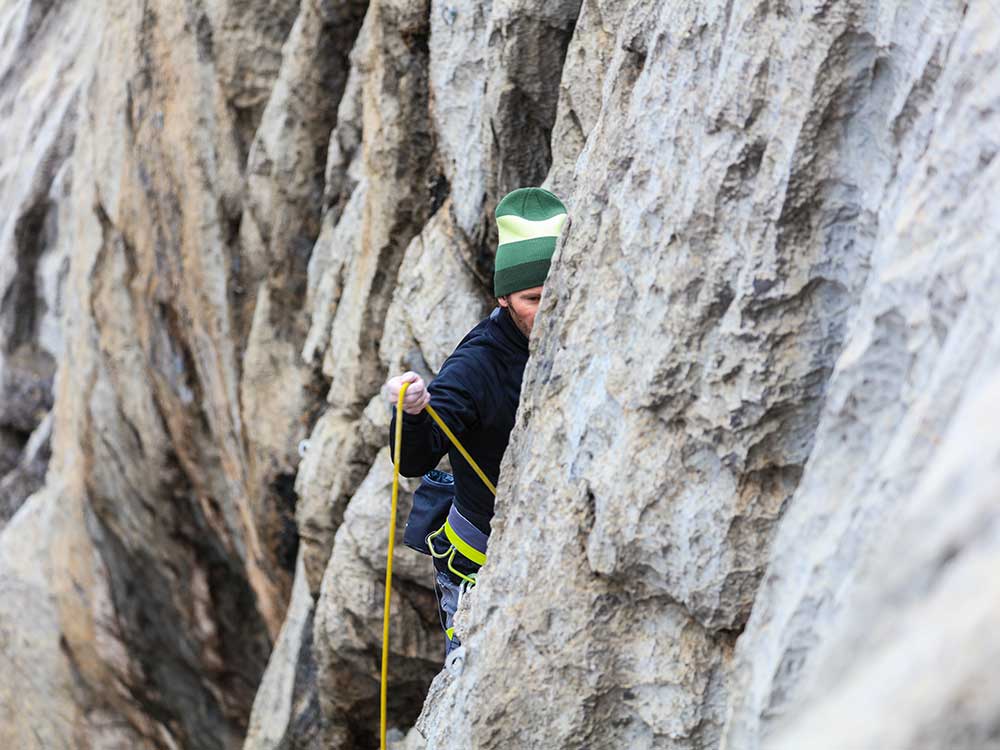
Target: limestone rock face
[
  {"x": 26, "y": 474},
  {"x": 47, "y": 55},
  {"x": 726, "y": 237},
  {"x": 876, "y": 600},
  {"x": 750, "y": 500},
  {"x": 36, "y": 696},
  {"x": 180, "y": 395},
  {"x": 348, "y": 627},
  {"x": 286, "y": 709}
]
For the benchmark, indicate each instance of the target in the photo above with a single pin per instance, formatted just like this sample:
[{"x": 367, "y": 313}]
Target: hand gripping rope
[{"x": 392, "y": 535}]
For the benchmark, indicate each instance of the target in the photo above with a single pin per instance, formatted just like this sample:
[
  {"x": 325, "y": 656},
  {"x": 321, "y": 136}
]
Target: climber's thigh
[{"x": 447, "y": 593}]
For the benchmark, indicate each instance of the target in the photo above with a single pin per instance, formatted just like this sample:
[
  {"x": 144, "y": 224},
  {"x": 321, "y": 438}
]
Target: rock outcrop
[
  {"x": 46, "y": 57},
  {"x": 875, "y": 598},
  {"x": 750, "y": 501}
]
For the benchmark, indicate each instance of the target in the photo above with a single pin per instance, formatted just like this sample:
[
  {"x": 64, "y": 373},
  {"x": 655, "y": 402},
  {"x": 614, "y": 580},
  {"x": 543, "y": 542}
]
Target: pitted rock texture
[
  {"x": 884, "y": 604},
  {"x": 752, "y": 487},
  {"x": 724, "y": 232}
]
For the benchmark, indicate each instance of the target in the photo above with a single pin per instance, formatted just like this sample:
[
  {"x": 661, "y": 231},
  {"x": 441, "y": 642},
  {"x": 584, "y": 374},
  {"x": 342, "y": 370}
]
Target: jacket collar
[{"x": 509, "y": 332}]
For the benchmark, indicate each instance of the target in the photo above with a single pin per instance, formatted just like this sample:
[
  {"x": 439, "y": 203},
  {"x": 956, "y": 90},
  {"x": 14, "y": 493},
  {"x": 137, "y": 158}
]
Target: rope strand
[
  {"x": 392, "y": 539},
  {"x": 388, "y": 565}
]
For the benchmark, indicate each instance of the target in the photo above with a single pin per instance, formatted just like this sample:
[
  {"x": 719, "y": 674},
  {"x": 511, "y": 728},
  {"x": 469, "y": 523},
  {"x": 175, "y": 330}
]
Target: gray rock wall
[
  {"x": 750, "y": 499},
  {"x": 47, "y": 56},
  {"x": 874, "y": 590}
]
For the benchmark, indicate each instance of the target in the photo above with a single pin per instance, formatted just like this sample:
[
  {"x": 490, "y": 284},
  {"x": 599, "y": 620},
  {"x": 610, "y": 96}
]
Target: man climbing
[{"x": 477, "y": 390}]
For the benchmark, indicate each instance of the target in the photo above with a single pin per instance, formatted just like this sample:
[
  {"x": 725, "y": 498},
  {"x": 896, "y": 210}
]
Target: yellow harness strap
[
  {"x": 466, "y": 549},
  {"x": 463, "y": 546}
]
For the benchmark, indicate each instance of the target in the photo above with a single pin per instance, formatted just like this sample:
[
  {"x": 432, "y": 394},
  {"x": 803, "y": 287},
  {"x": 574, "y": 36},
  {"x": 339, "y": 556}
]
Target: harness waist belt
[{"x": 465, "y": 537}]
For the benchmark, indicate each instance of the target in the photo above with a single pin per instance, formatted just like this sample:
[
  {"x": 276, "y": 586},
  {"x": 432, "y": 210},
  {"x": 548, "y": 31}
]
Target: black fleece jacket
[{"x": 476, "y": 394}]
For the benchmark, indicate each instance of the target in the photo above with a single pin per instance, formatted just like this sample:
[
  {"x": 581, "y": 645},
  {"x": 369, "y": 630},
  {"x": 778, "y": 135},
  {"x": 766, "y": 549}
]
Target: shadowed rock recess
[{"x": 752, "y": 500}]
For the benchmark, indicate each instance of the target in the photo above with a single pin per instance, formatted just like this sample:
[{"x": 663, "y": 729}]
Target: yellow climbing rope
[
  {"x": 454, "y": 441},
  {"x": 388, "y": 564},
  {"x": 392, "y": 535}
]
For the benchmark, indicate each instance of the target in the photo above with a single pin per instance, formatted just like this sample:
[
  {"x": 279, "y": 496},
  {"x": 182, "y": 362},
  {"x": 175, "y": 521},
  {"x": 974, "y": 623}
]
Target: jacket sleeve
[{"x": 424, "y": 443}]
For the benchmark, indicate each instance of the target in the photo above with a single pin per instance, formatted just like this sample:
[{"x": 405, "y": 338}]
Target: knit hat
[{"x": 529, "y": 220}]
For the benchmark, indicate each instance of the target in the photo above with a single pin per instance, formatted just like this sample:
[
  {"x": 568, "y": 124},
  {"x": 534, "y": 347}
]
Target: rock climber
[{"x": 476, "y": 393}]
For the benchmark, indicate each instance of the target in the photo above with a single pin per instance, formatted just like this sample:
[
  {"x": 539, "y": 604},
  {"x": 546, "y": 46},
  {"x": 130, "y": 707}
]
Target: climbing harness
[
  {"x": 463, "y": 538},
  {"x": 432, "y": 500}
]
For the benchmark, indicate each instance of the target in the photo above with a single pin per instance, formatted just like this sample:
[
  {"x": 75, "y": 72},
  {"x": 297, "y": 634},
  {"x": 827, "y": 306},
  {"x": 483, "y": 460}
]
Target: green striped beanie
[{"x": 529, "y": 221}]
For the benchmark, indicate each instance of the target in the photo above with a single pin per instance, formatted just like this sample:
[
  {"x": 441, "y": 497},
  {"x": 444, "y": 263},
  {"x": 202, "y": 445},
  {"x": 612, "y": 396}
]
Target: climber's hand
[{"x": 416, "y": 397}]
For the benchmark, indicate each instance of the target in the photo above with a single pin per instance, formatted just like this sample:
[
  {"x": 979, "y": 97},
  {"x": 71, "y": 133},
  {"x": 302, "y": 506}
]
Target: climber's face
[{"x": 522, "y": 307}]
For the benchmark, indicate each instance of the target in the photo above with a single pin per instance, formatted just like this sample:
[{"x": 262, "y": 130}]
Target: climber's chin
[{"x": 522, "y": 307}]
